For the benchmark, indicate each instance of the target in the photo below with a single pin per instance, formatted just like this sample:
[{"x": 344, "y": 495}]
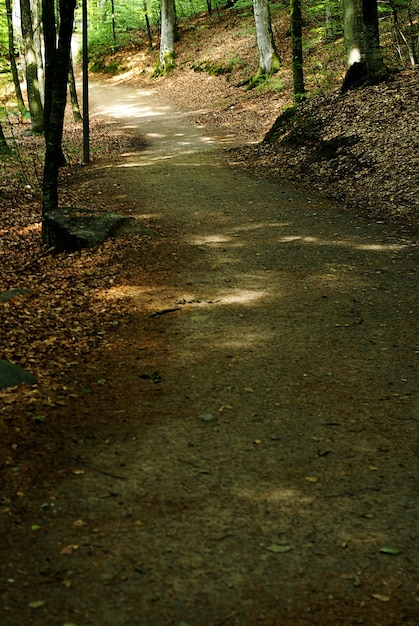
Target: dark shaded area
[{"x": 12, "y": 375}]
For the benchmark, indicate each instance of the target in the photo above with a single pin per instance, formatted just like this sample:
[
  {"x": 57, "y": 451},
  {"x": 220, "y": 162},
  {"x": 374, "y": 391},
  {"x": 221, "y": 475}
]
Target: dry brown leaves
[{"x": 66, "y": 313}]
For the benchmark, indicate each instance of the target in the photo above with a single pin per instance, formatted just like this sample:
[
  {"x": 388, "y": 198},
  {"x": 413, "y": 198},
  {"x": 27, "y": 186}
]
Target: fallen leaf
[
  {"x": 37, "y": 604},
  {"x": 68, "y": 550},
  {"x": 392, "y": 551},
  {"x": 379, "y": 596},
  {"x": 279, "y": 549}
]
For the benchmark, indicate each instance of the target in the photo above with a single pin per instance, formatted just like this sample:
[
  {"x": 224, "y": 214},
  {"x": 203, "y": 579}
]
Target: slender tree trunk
[
  {"x": 4, "y": 148},
  {"x": 55, "y": 94},
  {"x": 15, "y": 74},
  {"x": 113, "y": 20},
  {"x": 36, "y": 25},
  {"x": 31, "y": 69},
  {"x": 297, "y": 50},
  {"x": 147, "y": 23},
  {"x": 73, "y": 93}
]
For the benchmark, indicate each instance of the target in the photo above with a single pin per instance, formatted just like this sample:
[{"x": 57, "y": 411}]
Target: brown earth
[{"x": 225, "y": 427}]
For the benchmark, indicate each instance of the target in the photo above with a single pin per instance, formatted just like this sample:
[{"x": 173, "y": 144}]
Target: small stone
[{"x": 207, "y": 417}]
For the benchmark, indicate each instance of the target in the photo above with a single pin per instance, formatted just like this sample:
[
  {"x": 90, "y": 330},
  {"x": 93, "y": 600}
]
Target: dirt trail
[{"x": 251, "y": 457}]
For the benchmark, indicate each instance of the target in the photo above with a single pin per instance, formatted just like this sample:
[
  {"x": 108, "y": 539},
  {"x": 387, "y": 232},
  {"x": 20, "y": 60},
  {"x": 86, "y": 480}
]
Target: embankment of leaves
[
  {"x": 71, "y": 306},
  {"x": 358, "y": 149}
]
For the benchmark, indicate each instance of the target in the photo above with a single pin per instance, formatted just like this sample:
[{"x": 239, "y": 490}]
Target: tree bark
[
  {"x": 167, "y": 38},
  {"x": 364, "y": 61},
  {"x": 147, "y": 23},
  {"x": 36, "y": 25},
  {"x": 269, "y": 61},
  {"x": 353, "y": 28},
  {"x": 297, "y": 50},
  {"x": 73, "y": 93},
  {"x": 4, "y": 148},
  {"x": 31, "y": 69},
  {"x": 55, "y": 95},
  {"x": 13, "y": 66},
  {"x": 373, "y": 57}
]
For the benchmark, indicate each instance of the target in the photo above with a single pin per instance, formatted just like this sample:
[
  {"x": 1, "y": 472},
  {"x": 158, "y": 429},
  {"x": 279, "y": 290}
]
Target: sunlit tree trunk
[
  {"x": 297, "y": 50},
  {"x": 13, "y": 66},
  {"x": 167, "y": 38},
  {"x": 36, "y": 25},
  {"x": 353, "y": 27},
  {"x": 73, "y": 94},
  {"x": 31, "y": 69},
  {"x": 269, "y": 61},
  {"x": 364, "y": 62}
]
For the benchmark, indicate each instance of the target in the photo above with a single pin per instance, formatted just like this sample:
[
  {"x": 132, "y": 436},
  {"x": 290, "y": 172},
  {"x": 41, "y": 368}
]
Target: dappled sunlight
[
  {"x": 241, "y": 296},
  {"x": 32, "y": 228},
  {"x": 119, "y": 110},
  {"x": 210, "y": 239},
  {"x": 279, "y": 495}
]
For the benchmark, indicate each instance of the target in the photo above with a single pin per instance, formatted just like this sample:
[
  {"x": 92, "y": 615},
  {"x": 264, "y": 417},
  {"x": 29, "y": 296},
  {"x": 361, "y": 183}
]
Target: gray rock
[
  {"x": 12, "y": 375},
  {"x": 5, "y": 296},
  {"x": 207, "y": 417},
  {"x": 72, "y": 228}
]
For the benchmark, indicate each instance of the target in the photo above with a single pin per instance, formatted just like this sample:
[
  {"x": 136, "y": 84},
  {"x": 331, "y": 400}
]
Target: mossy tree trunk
[
  {"x": 31, "y": 69},
  {"x": 167, "y": 38},
  {"x": 297, "y": 50},
  {"x": 269, "y": 61}
]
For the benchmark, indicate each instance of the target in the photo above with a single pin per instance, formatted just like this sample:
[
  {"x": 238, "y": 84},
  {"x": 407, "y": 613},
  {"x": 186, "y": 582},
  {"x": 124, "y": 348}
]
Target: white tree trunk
[
  {"x": 267, "y": 52},
  {"x": 167, "y": 36}
]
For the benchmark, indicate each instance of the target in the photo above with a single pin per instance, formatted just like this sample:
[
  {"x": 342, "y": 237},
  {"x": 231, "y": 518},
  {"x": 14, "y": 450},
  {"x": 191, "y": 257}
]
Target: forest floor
[{"x": 225, "y": 425}]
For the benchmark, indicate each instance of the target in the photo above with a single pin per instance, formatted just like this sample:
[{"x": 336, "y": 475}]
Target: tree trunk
[
  {"x": 167, "y": 38},
  {"x": 373, "y": 57},
  {"x": 297, "y": 50},
  {"x": 57, "y": 64},
  {"x": 269, "y": 61},
  {"x": 147, "y": 23},
  {"x": 13, "y": 66},
  {"x": 353, "y": 28},
  {"x": 73, "y": 93},
  {"x": 31, "y": 69},
  {"x": 36, "y": 25},
  {"x": 4, "y": 148}
]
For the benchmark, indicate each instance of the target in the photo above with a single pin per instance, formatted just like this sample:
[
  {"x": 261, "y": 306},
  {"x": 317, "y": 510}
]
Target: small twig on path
[
  {"x": 96, "y": 469},
  {"x": 229, "y": 616},
  {"x": 201, "y": 471},
  {"x": 164, "y": 311}
]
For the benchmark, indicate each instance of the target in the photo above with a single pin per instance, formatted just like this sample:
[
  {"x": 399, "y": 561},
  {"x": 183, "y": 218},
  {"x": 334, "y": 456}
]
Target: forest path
[{"x": 252, "y": 451}]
